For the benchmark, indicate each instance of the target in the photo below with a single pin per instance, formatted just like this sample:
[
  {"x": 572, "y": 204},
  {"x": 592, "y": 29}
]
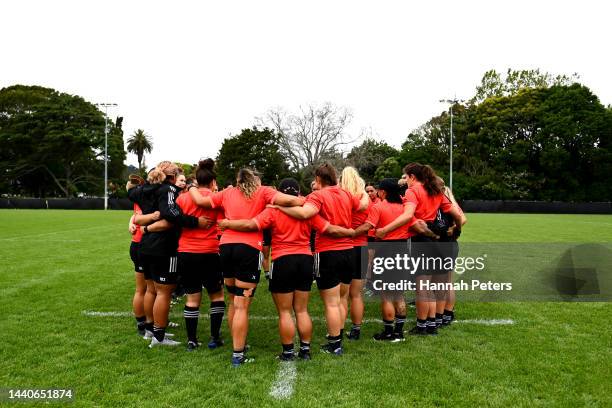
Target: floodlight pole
[
  {"x": 451, "y": 149},
  {"x": 106, "y": 106},
  {"x": 451, "y": 102}
]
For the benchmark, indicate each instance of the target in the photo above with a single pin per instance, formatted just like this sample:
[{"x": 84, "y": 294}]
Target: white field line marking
[
  {"x": 282, "y": 388},
  {"x": 106, "y": 314},
  {"x": 491, "y": 322}
]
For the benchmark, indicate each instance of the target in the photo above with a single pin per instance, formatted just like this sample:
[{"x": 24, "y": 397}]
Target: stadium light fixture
[
  {"x": 451, "y": 102},
  {"x": 106, "y": 106}
]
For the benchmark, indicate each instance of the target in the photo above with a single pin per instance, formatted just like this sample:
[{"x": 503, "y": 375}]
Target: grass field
[{"x": 57, "y": 265}]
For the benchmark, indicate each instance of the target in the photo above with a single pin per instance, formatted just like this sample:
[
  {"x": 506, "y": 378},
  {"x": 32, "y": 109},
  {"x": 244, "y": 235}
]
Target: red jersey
[
  {"x": 237, "y": 207},
  {"x": 372, "y": 232},
  {"x": 138, "y": 235},
  {"x": 198, "y": 240},
  {"x": 359, "y": 218},
  {"x": 384, "y": 213},
  {"x": 336, "y": 206},
  {"x": 289, "y": 235},
  {"x": 426, "y": 205}
]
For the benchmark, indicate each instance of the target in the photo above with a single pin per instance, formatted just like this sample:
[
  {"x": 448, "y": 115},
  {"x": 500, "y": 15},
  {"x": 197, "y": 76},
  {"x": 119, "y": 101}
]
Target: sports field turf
[{"x": 59, "y": 266}]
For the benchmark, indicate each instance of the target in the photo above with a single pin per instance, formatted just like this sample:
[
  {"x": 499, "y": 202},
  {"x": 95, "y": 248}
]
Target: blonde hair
[
  {"x": 163, "y": 170},
  {"x": 169, "y": 168},
  {"x": 156, "y": 176},
  {"x": 351, "y": 181},
  {"x": 248, "y": 182}
]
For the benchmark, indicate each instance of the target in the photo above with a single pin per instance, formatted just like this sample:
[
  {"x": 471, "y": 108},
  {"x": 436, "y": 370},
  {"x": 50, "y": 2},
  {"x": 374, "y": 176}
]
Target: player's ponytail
[
  {"x": 247, "y": 181},
  {"x": 351, "y": 182},
  {"x": 205, "y": 172},
  {"x": 426, "y": 175},
  {"x": 156, "y": 176},
  {"x": 171, "y": 170},
  {"x": 327, "y": 174}
]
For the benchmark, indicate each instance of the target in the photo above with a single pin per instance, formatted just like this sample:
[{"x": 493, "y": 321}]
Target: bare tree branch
[{"x": 311, "y": 135}]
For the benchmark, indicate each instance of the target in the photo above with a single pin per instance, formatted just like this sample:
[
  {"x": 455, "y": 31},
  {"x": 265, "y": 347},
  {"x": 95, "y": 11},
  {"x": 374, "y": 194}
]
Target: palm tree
[{"x": 139, "y": 144}]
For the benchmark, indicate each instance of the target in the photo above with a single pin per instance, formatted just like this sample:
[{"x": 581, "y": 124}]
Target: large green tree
[
  {"x": 188, "y": 169},
  {"x": 367, "y": 156},
  {"x": 389, "y": 168},
  {"x": 52, "y": 143},
  {"x": 254, "y": 148},
  {"x": 541, "y": 142}
]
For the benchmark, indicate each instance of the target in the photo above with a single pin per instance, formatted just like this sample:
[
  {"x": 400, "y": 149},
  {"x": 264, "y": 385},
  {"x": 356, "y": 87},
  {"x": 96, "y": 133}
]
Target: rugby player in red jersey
[
  {"x": 181, "y": 181},
  {"x": 372, "y": 191},
  {"x": 198, "y": 262},
  {"x": 240, "y": 252},
  {"x": 351, "y": 182},
  {"x": 333, "y": 256},
  {"x": 291, "y": 268},
  {"x": 393, "y": 305},
  {"x": 422, "y": 200}
]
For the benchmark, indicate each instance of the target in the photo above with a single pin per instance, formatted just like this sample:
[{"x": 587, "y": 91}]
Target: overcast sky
[{"x": 192, "y": 73}]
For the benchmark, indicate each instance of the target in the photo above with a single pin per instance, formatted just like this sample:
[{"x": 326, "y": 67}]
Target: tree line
[{"x": 523, "y": 135}]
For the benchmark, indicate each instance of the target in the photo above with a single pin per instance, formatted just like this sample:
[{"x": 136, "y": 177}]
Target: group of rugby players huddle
[{"x": 213, "y": 239}]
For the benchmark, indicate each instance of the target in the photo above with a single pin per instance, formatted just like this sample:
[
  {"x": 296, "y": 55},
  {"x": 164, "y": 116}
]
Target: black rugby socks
[
  {"x": 399, "y": 323},
  {"x": 140, "y": 323},
  {"x": 217, "y": 310},
  {"x": 191, "y": 314},
  {"x": 159, "y": 333},
  {"x": 388, "y": 324}
]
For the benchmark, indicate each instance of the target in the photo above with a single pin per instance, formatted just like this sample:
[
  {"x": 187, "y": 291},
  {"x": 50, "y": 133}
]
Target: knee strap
[{"x": 244, "y": 292}]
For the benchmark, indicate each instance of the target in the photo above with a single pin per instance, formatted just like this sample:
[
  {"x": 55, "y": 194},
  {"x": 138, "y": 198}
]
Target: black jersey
[
  {"x": 144, "y": 196},
  {"x": 162, "y": 198}
]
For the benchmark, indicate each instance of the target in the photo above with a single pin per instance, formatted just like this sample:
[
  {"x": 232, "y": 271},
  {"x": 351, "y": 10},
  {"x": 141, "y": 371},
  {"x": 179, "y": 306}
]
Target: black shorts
[
  {"x": 197, "y": 271},
  {"x": 434, "y": 253},
  {"x": 135, "y": 255},
  {"x": 383, "y": 275},
  {"x": 291, "y": 272},
  {"x": 333, "y": 267},
  {"x": 241, "y": 262},
  {"x": 358, "y": 253},
  {"x": 161, "y": 269}
]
